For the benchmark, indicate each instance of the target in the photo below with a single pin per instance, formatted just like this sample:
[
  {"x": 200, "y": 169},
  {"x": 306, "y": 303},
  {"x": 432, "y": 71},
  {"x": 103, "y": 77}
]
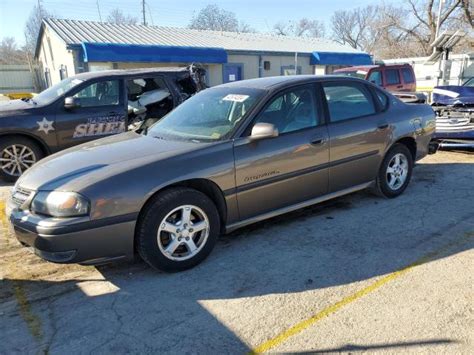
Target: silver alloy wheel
[
  {"x": 183, "y": 232},
  {"x": 397, "y": 171},
  {"x": 16, "y": 158}
]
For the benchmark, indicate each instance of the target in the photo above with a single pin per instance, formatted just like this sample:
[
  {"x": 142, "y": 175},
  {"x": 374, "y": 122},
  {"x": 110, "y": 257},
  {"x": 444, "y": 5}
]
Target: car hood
[
  {"x": 15, "y": 107},
  {"x": 85, "y": 164},
  {"x": 453, "y": 95}
]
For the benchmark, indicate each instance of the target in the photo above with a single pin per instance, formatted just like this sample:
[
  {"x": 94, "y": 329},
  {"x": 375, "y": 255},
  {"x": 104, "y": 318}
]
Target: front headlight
[{"x": 60, "y": 204}]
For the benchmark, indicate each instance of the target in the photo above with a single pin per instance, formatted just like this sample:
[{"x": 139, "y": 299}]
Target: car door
[
  {"x": 293, "y": 167},
  {"x": 358, "y": 133},
  {"x": 100, "y": 111}
]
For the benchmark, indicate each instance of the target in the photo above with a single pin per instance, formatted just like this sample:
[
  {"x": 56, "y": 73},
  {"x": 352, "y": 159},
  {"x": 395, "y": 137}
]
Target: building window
[
  {"x": 63, "y": 72},
  {"x": 47, "y": 77},
  {"x": 329, "y": 69}
]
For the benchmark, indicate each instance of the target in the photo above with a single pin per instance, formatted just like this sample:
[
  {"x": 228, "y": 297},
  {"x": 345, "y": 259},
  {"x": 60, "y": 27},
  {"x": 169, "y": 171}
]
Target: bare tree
[
  {"x": 391, "y": 31},
  {"x": 10, "y": 53},
  {"x": 214, "y": 18},
  {"x": 116, "y": 16},
  {"x": 421, "y": 21},
  {"x": 353, "y": 27},
  {"x": 301, "y": 28},
  {"x": 32, "y": 27}
]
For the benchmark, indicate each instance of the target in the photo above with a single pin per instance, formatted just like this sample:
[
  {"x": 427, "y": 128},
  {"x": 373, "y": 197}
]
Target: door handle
[
  {"x": 318, "y": 141},
  {"x": 382, "y": 126}
]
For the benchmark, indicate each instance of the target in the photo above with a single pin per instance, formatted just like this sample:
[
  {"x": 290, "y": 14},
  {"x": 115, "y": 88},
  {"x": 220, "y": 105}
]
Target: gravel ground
[{"x": 355, "y": 274}]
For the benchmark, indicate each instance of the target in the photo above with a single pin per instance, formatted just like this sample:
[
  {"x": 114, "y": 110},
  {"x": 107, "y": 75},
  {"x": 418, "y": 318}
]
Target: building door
[{"x": 232, "y": 72}]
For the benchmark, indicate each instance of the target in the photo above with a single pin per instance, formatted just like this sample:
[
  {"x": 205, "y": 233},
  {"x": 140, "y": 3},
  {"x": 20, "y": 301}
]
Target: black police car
[{"x": 86, "y": 107}]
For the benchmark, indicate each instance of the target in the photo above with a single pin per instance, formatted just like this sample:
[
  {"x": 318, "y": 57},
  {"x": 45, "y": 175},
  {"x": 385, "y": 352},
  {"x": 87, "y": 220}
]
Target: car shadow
[{"x": 338, "y": 243}]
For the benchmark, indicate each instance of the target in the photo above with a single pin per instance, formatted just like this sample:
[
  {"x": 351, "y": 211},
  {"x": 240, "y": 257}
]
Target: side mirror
[
  {"x": 70, "y": 103},
  {"x": 263, "y": 130}
]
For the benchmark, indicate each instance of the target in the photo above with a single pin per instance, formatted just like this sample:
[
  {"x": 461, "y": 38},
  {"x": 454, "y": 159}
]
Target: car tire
[
  {"x": 167, "y": 235},
  {"x": 26, "y": 150},
  {"x": 395, "y": 172}
]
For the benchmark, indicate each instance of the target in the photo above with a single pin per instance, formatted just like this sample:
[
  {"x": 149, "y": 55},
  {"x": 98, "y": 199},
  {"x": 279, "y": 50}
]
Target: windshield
[
  {"x": 49, "y": 95},
  {"x": 210, "y": 115},
  {"x": 469, "y": 83},
  {"x": 355, "y": 74}
]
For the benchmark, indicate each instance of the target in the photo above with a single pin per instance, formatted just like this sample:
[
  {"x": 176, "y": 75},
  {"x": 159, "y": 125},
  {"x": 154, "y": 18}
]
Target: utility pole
[
  {"x": 144, "y": 13},
  {"x": 40, "y": 8},
  {"x": 296, "y": 63}
]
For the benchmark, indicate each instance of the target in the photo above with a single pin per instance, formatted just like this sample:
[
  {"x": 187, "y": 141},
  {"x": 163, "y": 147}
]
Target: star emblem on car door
[{"x": 45, "y": 126}]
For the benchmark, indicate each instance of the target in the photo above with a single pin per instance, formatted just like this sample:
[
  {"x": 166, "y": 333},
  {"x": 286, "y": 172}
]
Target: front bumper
[{"x": 74, "y": 240}]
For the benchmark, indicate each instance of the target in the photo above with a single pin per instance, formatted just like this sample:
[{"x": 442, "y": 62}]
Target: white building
[
  {"x": 67, "y": 47},
  {"x": 460, "y": 68}
]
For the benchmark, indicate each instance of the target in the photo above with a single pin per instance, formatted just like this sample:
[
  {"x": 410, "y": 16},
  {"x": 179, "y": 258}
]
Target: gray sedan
[{"x": 229, "y": 156}]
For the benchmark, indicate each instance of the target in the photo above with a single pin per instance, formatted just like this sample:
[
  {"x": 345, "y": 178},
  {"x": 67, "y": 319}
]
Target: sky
[{"x": 261, "y": 15}]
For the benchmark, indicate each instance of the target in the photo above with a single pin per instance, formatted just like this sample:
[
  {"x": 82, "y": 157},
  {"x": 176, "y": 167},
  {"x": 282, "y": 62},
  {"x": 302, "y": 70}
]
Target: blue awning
[
  {"x": 118, "y": 52},
  {"x": 333, "y": 58}
]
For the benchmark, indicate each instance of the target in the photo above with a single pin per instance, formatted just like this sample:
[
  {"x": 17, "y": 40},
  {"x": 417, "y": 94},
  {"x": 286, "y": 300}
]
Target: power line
[
  {"x": 151, "y": 14},
  {"x": 98, "y": 10}
]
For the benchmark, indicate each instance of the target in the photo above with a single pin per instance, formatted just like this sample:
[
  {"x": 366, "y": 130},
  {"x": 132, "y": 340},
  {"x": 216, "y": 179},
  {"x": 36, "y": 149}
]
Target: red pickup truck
[{"x": 392, "y": 77}]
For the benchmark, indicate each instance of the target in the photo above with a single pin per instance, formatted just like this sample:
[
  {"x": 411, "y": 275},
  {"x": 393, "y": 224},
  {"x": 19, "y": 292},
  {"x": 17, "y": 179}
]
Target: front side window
[
  {"x": 392, "y": 76},
  {"x": 210, "y": 115},
  {"x": 375, "y": 77},
  {"x": 348, "y": 100},
  {"x": 407, "y": 76},
  {"x": 101, "y": 93},
  {"x": 291, "y": 111}
]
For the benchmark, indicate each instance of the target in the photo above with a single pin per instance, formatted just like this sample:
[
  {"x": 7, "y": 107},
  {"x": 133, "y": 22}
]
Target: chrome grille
[{"x": 20, "y": 196}]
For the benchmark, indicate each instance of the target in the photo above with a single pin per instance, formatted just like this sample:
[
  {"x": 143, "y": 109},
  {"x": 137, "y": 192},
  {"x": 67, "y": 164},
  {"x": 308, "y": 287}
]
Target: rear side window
[
  {"x": 392, "y": 76},
  {"x": 383, "y": 99},
  {"x": 348, "y": 100},
  {"x": 407, "y": 75}
]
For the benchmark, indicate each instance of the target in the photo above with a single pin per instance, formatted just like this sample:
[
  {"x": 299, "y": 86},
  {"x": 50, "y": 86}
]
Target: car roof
[
  {"x": 131, "y": 72},
  {"x": 368, "y": 67},
  {"x": 277, "y": 82}
]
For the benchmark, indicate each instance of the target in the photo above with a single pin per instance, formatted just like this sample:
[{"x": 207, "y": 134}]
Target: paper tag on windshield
[
  {"x": 76, "y": 81},
  {"x": 236, "y": 98}
]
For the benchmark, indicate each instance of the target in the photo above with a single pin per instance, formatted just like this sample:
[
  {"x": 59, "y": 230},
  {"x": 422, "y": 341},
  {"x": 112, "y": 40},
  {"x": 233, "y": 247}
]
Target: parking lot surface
[{"x": 358, "y": 273}]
